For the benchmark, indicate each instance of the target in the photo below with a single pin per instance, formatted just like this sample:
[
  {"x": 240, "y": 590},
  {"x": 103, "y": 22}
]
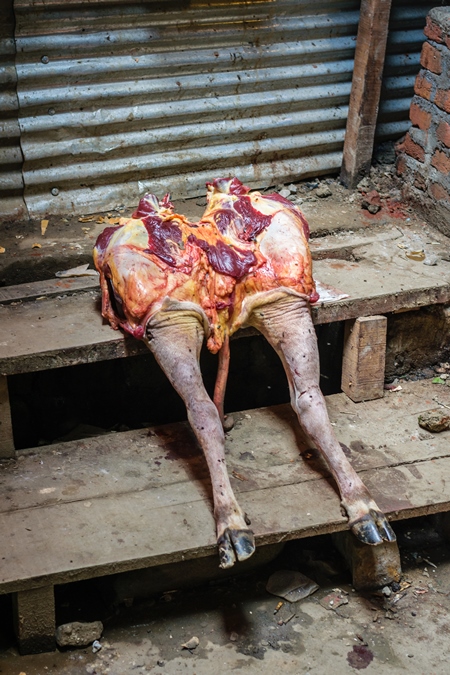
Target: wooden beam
[
  {"x": 34, "y": 620},
  {"x": 6, "y": 434},
  {"x": 371, "y": 566},
  {"x": 366, "y": 87},
  {"x": 364, "y": 358}
]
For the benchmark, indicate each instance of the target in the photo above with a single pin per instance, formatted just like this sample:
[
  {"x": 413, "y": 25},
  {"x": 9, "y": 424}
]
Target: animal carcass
[{"x": 171, "y": 283}]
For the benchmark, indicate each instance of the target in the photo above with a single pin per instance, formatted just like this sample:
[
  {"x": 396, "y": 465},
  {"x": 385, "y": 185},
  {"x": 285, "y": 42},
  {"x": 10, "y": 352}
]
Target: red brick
[
  {"x": 423, "y": 87},
  {"x": 433, "y": 31},
  {"x": 412, "y": 149},
  {"x": 441, "y": 162},
  {"x": 442, "y": 99},
  {"x": 430, "y": 58},
  {"x": 401, "y": 165},
  {"x": 420, "y": 118},
  {"x": 443, "y": 133},
  {"x": 439, "y": 192}
]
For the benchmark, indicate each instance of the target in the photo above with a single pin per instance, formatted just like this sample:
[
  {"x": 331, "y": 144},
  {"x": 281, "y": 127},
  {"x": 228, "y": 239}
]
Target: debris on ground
[
  {"x": 290, "y": 585},
  {"x": 44, "y": 225},
  {"x": 434, "y": 420},
  {"x": 193, "y": 643},
  {"x": 78, "y": 634},
  {"x": 334, "y": 599},
  {"x": 80, "y": 271}
]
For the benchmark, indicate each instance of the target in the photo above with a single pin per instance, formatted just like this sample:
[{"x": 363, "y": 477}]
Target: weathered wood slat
[
  {"x": 366, "y": 87},
  {"x": 133, "y": 500},
  {"x": 6, "y": 432},
  {"x": 364, "y": 358},
  {"x": 64, "y": 331}
]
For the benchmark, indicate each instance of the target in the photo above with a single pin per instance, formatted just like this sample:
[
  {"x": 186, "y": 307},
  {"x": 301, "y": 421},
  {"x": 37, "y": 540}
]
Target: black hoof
[
  {"x": 235, "y": 545},
  {"x": 373, "y": 529}
]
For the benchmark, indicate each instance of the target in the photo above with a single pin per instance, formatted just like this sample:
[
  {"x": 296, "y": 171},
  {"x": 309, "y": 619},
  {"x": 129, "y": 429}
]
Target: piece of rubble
[
  {"x": 193, "y": 643},
  {"x": 323, "y": 191},
  {"x": 334, "y": 600},
  {"x": 290, "y": 585},
  {"x": 435, "y": 420},
  {"x": 78, "y": 634},
  {"x": 292, "y": 188},
  {"x": 285, "y": 192}
]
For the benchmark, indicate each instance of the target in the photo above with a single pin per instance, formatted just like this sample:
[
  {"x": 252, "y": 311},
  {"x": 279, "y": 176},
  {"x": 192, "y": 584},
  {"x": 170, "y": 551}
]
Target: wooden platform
[
  {"x": 57, "y": 323},
  {"x": 136, "y": 499}
]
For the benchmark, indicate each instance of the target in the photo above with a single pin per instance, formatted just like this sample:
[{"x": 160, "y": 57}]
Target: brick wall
[{"x": 423, "y": 159}]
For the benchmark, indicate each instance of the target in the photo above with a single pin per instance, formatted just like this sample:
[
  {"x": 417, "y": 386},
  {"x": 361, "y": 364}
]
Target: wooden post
[
  {"x": 366, "y": 87},
  {"x": 6, "y": 435},
  {"x": 364, "y": 358},
  {"x": 371, "y": 566},
  {"x": 34, "y": 620}
]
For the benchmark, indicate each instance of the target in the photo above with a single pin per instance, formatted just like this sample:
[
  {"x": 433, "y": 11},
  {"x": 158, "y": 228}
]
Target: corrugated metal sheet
[
  {"x": 402, "y": 64},
  {"x": 11, "y": 182},
  {"x": 118, "y": 96},
  {"x": 121, "y": 97}
]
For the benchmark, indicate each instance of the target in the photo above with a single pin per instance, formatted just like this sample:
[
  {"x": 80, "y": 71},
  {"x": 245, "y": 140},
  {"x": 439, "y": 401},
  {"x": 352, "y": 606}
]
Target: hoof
[
  {"x": 235, "y": 545},
  {"x": 373, "y": 529}
]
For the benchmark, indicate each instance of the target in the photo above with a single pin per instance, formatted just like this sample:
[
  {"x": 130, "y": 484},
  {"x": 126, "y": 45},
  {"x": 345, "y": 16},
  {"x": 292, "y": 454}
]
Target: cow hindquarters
[
  {"x": 175, "y": 338},
  {"x": 288, "y": 326}
]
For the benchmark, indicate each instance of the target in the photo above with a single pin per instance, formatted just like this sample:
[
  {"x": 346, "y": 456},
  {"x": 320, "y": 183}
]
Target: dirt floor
[{"x": 404, "y": 628}]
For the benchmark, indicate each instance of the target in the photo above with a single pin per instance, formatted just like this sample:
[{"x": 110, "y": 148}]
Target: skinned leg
[
  {"x": 175, "y": 338},
  {"x": 288, "y": 327}
]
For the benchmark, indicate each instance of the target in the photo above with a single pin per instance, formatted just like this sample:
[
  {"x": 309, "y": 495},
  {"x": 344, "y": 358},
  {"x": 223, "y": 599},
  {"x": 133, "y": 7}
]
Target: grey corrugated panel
[
  {"x": 11, "y": 182},
  {"x": 147, "y": 97},
  {"x": 408, "y": 18},
  {"x": 190, "y": 183}
]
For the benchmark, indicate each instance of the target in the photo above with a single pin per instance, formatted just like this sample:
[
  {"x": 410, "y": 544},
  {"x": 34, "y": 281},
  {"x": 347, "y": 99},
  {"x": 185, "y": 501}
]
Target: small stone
[
  {"x": 431, "y": 259},
  {"x": 373, "y": 208},
  {"x": 292, "y": 188},
  {"x": 78, "y": 634},
  {"x": 193, "y": 643},
  {"x": 285, "y": 192},
  {"x": 233, "y": 636},
  {"x": 386, "y": 591},
  {"x": 323, "y": 191},
  {"x": 435, "y": 420}
]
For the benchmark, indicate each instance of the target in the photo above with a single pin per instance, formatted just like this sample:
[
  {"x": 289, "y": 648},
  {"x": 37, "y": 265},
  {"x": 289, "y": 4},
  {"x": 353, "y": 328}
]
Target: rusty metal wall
[
  {"x": 121, "y": 96},
  {"x": 11, "y": 181}
]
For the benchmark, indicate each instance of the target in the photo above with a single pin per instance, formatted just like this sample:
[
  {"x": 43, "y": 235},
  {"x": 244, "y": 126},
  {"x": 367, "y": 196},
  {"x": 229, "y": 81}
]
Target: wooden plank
[
  {"x": 364, "y": 358},
  {"x": 34, "y": 620},
  {"x": 66, "y": 331},
  {"x": 6, "y": 433},
  {"x": 48, "y": 288},
  {"x": 100, "y": 506},
  {"x": 366, "y": 88}
]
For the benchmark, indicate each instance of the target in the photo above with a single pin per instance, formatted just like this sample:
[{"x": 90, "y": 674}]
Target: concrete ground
[{"x": 238, "y": 629}]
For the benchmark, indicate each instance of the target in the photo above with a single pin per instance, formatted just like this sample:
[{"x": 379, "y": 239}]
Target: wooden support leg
[
  {"x": 366, "y": 88},
  {"x": 34, "y": 620},
  {"x": 6, "y": 435},
  {"x": 371, "y": 566},
  {"x": 364, "y": 358}
]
